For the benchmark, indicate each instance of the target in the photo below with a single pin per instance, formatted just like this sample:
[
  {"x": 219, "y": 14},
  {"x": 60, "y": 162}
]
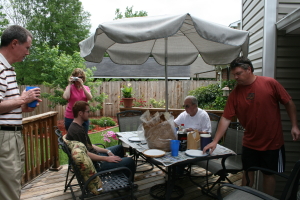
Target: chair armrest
[
  {"x": 244, "y": 189},
  {"x": 99, "y": 144},
  {"x": 129, "y": 176},
  {"x": 263, "y": 169}
]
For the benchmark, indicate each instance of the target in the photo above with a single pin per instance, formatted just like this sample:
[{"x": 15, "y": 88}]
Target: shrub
[
  {"x": 157, "y": 104},
  {"x": 211, "y": 97},
  {"x": 104, "y": 121},
  {"x": 139, "y": 102},
  {"x": 206, "y": 95}
]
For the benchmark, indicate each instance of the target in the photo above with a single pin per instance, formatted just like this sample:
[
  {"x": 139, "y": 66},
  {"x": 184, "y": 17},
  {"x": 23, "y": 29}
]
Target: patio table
[{"x": 168, "y": 164}]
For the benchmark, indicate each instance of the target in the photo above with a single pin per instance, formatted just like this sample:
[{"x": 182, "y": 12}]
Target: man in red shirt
[{"x": 255, "y": 101}]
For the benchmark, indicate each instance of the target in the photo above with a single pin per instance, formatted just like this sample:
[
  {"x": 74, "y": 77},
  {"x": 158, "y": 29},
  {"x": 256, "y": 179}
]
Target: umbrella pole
[{"x": 166, "y": 73}]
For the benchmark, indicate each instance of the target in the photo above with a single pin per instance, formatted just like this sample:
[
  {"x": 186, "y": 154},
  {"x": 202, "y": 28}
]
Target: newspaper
[
  {"x": 221, "y": 150},
  {"x": 167, "y": 159}
]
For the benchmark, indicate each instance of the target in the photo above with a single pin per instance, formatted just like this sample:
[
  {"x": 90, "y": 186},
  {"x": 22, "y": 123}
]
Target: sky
[{"x": 222, "y": 12}]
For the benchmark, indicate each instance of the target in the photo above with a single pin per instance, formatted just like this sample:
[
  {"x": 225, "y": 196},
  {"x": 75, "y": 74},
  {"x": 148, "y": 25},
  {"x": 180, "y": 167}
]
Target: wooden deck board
[{"x": 50, "y": 185}]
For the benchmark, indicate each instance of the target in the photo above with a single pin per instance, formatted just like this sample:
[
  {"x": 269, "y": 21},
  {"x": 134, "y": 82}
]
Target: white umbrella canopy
[{"x": 170, "y": 39}]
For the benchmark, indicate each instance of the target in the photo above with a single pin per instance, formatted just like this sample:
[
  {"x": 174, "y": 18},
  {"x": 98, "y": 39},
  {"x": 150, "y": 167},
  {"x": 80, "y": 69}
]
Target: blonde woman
[{"x": 76, "y": 91}]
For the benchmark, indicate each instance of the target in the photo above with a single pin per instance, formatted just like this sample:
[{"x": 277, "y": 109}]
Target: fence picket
[{"x": 177, "y": 90}]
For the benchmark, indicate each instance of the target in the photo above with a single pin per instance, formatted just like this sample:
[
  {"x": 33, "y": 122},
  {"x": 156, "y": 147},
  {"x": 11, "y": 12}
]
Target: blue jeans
[
  {"x": 69, "y": 121},
  {"x": 117, "y": 151}
]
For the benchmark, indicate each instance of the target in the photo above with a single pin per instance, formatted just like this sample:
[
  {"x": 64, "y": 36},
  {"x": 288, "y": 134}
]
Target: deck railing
[{"x": 41, "y": 147}]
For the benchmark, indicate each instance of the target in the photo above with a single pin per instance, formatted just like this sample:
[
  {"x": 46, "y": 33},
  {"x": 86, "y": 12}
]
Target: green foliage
[
  {"x": 127, "y": 91},
  {"x": 231, "y": 84},
  {"x": 157, "y": 104},
  {"x": 139, "y": 102},
  {"x": 53, "y": 68},
  {"x": 129, "y": 13},
  {"x": 103, "y": 121},
  {"x": 55, "y": 22},
  {"x": 3, "y": 21},
  {"x": 211, "y": 97},
  {"x": 206, "y": 95}
]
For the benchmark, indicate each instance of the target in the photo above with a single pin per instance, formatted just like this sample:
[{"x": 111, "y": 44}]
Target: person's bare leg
[
  {"x": 269, "y": 184},
  {"x": 251, "y": 177}
]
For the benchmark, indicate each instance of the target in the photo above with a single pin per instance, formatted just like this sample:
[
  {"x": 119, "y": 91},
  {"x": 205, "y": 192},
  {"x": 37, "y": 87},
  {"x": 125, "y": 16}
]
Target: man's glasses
[
  {"x": 88, "y": 111},
  {"x": 186, "y": 106}
]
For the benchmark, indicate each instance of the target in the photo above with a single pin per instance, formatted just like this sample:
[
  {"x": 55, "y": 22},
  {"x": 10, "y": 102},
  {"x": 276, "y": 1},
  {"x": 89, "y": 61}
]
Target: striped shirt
[{"x": 9, "y": 90}]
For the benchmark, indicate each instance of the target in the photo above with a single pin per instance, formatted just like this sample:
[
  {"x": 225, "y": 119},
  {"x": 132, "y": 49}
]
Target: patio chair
[
  {"x": 129, "y": 120},
  {"x": 67, "y": 183},
  {"x": 228, "y": 165},
  {"x": 246, "y": 193},
  {"x": 113, "y": 181},
  {"x": 214, "y": 121}
]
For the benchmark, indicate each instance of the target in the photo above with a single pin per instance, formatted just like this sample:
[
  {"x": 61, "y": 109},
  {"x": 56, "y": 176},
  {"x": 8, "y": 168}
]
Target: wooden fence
[{"x": 145, "y": 90}]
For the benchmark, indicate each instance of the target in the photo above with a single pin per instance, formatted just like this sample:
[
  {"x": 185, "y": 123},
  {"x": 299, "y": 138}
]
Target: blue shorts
[{"x": 270, "y": 159}]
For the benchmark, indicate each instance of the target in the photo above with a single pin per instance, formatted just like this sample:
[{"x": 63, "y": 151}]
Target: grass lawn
[{"x": 95, "y": 138}]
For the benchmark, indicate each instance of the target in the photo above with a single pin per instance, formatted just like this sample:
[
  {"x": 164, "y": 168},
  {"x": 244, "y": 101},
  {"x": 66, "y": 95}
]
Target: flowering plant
[
  {"x": 127, "y": 91},
  {"x": 109, "y": 138}
]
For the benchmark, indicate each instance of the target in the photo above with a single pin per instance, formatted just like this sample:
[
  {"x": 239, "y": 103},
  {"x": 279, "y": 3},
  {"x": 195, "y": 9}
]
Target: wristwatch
[{"x": 109, "y": 151}]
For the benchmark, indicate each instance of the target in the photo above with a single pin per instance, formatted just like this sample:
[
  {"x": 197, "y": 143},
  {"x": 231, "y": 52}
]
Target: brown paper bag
[
  {"x": 193, "y": 140},
  {"x": 159, "y": 130}
]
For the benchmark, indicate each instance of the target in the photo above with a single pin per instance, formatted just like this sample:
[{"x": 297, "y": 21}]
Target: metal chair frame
[
  {"x": 289, "y": 192},
  {"x": 113, "y": 180},
  {"x": 132, "y": 125}
]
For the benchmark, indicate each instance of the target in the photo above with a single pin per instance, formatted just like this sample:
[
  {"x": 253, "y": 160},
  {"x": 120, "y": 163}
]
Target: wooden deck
[{"x": 50, "y": 185}]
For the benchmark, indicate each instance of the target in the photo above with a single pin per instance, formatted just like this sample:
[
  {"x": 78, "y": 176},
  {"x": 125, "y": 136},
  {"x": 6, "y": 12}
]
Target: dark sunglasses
[{"x": 186, "y": 106}]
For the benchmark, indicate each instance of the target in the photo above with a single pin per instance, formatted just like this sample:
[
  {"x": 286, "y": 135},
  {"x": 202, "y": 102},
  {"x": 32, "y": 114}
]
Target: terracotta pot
[{"x": 127, "y": 102}]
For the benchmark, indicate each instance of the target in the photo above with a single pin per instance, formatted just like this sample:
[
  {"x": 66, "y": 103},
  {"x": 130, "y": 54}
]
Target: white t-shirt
[{"x": 200, "y": 121}]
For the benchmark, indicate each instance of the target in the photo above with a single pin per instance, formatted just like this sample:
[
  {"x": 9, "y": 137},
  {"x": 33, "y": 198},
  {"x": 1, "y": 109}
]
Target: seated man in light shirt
[{"x": 193, "y": 118}]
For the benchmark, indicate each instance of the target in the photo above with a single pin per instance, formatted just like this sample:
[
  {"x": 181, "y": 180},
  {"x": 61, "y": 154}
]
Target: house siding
[
  {"x": 287, "y": 73},
  {"x": 253, "y": 21},
  {"x": 287, "y": 69}
]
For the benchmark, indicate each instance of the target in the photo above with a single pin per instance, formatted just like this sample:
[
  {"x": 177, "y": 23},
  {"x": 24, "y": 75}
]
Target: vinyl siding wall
[
  {"x": 288, "y": 73},
  {"x": 253, "y": 21}
]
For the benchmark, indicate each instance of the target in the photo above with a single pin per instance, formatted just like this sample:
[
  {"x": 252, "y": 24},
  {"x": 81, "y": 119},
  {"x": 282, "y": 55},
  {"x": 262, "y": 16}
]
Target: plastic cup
[
  {"x": 205, "y": 140},
  {"x": 33, "y": 103},
  {"x": 174, "y": 147}
]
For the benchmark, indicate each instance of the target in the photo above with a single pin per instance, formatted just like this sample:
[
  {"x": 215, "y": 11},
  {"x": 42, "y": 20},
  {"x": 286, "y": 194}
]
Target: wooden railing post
[
  {"x": 54, "y": 151},
  {"x": 41, "y": 146}
]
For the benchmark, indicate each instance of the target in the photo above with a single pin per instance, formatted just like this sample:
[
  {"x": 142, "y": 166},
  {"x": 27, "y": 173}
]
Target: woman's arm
[{"x": 67, "y": 92}]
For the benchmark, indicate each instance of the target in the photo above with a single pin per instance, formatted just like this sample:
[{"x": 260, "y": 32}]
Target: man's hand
[
  {"x": 211, "y": 146},
  {"x": 295, "y": 133},
  {"x": 114, "y": 159},
  {"x": 31, "y": 95}
]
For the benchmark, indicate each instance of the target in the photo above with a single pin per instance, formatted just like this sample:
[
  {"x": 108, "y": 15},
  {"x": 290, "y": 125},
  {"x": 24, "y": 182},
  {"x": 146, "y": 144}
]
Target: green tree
[
  {"x": 3, "y": 21},
  {"x": 129, "y": 13},
  {"x": 52, "y": 68},
  {"x": 55, "y": 22}
]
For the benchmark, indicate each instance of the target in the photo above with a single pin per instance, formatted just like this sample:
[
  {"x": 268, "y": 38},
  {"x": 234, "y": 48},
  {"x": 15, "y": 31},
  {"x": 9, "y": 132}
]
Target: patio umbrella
[{"x": 170, "y": 39}]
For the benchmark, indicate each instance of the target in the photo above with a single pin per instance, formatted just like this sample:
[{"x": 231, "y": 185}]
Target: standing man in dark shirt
[{"x": 103, "y": 159}]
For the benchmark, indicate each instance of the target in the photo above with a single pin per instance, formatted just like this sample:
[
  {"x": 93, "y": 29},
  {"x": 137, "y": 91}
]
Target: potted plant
[{"x": 127, "y": 96}]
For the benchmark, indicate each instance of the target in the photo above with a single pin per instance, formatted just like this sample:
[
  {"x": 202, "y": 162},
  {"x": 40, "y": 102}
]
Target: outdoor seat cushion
[{"x": 85, "y": 165}]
